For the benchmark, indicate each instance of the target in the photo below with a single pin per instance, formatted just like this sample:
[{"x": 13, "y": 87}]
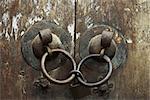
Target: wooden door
[{"x": 131, "y": 81}]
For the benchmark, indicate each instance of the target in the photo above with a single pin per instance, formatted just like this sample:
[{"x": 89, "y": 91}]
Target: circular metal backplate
[
  {"x": 121, "y": 51},
  {"x": 32, "y": 32}
]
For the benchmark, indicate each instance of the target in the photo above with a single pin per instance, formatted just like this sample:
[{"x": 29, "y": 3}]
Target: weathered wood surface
[{"x": 131, "y": 17}]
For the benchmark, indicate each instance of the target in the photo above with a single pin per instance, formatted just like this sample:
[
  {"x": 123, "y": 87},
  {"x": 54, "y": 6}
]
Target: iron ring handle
[
  {"x": 46, "y": 73},
  {"x": 101, "y": 81}
]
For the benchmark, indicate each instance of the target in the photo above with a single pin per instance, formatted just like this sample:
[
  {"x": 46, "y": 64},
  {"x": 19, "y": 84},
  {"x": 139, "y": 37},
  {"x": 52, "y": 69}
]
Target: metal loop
[
  {"x": 101, "y": 81},
  {"x": 78, "y": 73},
  {"x": 46, "y": 73}
]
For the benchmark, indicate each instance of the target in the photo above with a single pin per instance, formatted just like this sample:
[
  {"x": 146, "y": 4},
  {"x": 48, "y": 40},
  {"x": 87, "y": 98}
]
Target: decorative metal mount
[{"x": 46, "y": 47}]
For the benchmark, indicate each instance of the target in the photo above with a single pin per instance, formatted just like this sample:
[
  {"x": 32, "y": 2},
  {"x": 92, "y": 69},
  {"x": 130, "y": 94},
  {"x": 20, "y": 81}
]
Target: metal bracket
[
  {"x": 118, "y": 55},
  {"x": 32, "y": 32},
  {"x": 92, "y": 43}
]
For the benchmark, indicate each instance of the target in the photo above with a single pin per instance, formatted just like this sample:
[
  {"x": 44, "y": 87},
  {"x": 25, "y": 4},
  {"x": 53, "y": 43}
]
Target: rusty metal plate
[
  {"x": 121, "y": 50},
  {"x": 32, "y": 32}
]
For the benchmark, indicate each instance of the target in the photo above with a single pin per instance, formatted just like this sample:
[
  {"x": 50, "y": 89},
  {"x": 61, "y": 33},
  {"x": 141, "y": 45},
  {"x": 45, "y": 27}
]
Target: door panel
[
  {"x": 20, "y": 81},
  {"x": 131, "y": 81}
]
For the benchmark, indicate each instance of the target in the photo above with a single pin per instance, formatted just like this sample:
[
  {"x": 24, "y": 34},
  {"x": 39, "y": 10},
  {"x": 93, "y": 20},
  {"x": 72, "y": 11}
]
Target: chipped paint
[
  {"x": 129, "y": 16},
  {"x": 129, "y": 41},
  {"x": 97, "y": 8},
  {"x": 36, "y": 2},
  {"x": 1, "y": 29},
  {"x": 7, "y": 34},
  {"x": 32, "y": 20},
  {"x": 47, "y": 8},
  {"x": 56, "y": 22},
  {"x": 141, "y": 23},
  {"x": 71, "y": 30},
  {"x": 7, "y": 1},
  {"x": 15, "y": 23},
  {"x": 127, "y": 9},
  {"x": 5, "y": 18},
  {"x": 31, "y": 12},
  {"x": 73, "y": 2},
  {"x": 78, "y": 35},
  {"x": 22, "y": 33}
]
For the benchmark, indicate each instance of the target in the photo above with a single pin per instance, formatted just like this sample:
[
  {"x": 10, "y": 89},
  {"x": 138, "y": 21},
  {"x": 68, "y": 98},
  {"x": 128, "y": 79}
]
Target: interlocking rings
[
  {"x": 46, "y": 73},
  {"x": 76, "y": 70},
  {"x": 101, "y": 81}
]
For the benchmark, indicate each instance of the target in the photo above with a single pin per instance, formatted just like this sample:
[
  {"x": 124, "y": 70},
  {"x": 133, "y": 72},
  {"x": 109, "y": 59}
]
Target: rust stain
[
  {"x": 132, "y": 81},
  {"x": 14, "y": 7}
]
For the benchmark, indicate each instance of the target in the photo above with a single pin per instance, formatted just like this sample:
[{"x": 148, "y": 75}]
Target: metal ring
[
  {"x": 46, "y": 73},
  {"x": 101, "y": 81}
]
